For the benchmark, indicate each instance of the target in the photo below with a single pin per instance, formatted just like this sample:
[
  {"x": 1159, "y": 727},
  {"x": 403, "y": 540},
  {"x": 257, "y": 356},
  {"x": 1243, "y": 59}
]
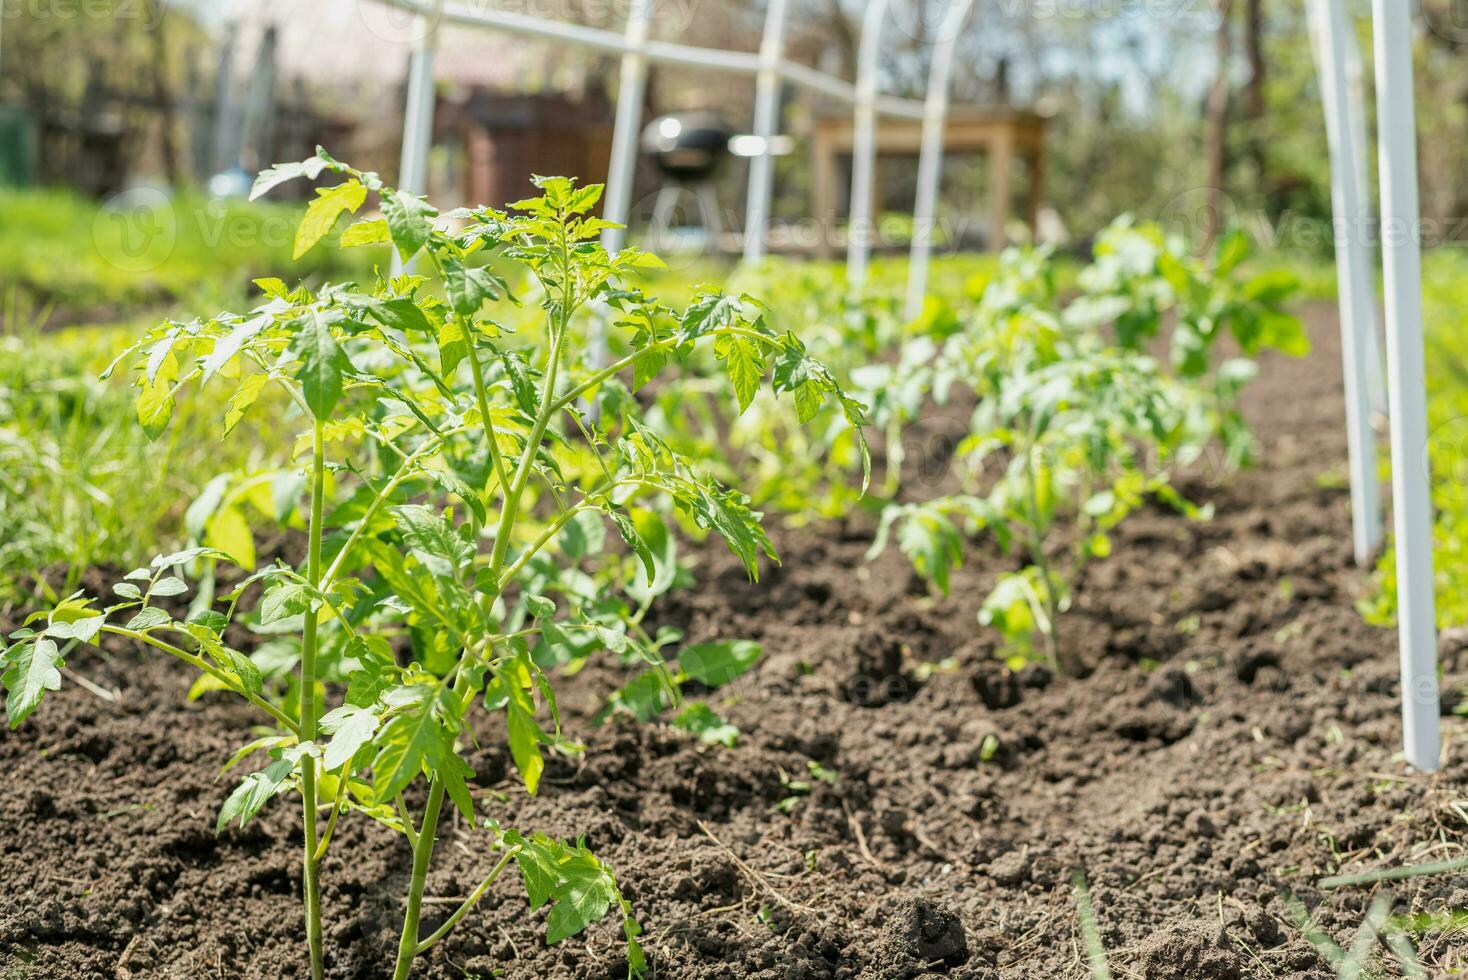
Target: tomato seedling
[{"x": 448, "y": 466}]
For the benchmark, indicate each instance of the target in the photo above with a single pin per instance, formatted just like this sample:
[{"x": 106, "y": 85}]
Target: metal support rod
[
  {"x": 1406, "y": 379},
  {"x": 1370, "y": 320},
  {"x": 622, "y": 166},
  {"x": 930, "y": 154},
  {"x": 766, "y": 122},
  {"x": 418, "y": 117},
  {"x": 661, "y": 52},
  {"x": 864, "y": 145},
  {"x": 1354, "y": 277}
]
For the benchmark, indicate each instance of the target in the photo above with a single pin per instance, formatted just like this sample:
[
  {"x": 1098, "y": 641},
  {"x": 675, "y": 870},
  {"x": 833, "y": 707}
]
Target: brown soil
[{"x": 1236, "y": 741}]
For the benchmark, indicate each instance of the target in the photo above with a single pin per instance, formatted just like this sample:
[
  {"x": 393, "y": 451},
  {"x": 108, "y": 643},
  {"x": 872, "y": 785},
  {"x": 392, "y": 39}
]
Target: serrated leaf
[
  {"x": 322, "y": 213},
  {"x": 351, "y": 727},
  {"x": 272, "y": 177},
  {"x": 699, "y": 719},
  {"x": 469, "y": 288},
  {"x": 322, "y": 363},
  {"x": 254, "y": 792},
  {"x": 634, "y": 540},
  {"x": 242, "y": 400},
  {"x": 373, "y": 231},
  {"x": 408, "y": 220},
  {"x": 745, "y": 366},
  {"x": 148, "y": 618},
  {"x": 580, "y": 887},
  {"x": 226, "y": 347},
  {"x": 712, "y": 664},
  {"x": 284, "y": 600},
  {"x": 85, "y": 629},
  {"x": 401, "y": 313},
  {"x": 433, "y": 539},
  {"x": 169, "y": 585},
  {"x": 404, "y": 744},
  {"x": 32, "y": 669}
]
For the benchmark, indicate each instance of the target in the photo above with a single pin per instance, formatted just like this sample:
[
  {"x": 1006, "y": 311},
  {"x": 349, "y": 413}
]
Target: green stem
[
  {"x": 281, "y": 718},
  {"x": 1037, "y": 555},
  {"x": 469, "y": 902},
  {"x": 482, "y": 397},
  {"x": 548, "y": 408},
  {"x": 422, "y": 854},
  {"x": 628, "y": 360},
  {"x": 311, "y": 879}
]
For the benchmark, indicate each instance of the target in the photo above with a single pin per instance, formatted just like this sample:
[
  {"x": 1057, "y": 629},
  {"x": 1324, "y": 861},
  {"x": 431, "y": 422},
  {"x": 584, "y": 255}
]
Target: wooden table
[{"x": 1002, "y": 134}]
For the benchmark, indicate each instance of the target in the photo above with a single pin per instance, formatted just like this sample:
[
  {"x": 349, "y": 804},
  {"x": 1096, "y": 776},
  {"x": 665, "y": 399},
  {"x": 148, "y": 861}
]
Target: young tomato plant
[{"x": 451, "y": 474}]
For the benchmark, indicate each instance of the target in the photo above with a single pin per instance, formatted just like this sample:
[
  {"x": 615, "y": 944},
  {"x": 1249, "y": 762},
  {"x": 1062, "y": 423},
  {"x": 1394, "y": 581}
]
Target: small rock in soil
[
  {"x": 918, "y": 936},
  {"x": 1189, "y": 950},
  {"x": 1010, "y": 869}
]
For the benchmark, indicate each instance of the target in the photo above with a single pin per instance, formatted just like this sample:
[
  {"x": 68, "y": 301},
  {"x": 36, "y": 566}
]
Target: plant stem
[
  {"x": 422, "y": 854},
  {"x": 1051, "y": 627},
  {"x": 469, "y": 902},
  {"x": 195, "y": 661},
  {"x": 310, "y": 878},
  {"x": 481, "y": 396}
]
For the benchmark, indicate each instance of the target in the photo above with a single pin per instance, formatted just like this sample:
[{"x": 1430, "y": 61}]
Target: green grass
[
  {"x": 94, "y": 260},
  {"x": 80, "y": 484}
]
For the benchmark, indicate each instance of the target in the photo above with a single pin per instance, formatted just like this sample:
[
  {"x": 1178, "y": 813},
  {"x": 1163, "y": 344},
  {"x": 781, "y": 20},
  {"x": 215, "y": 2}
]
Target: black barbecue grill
[{"x": 687, "y": 146}]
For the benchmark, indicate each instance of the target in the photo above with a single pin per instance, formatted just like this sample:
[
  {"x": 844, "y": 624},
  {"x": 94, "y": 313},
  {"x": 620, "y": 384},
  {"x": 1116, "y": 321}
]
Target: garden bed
[{"x": 878, "y": 818}]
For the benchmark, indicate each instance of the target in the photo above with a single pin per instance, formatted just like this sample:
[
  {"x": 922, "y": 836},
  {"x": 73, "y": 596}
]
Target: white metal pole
[
  {"x": 617, "y": 202},
  {"x": 622, "y": 167},
  {"x": 1354, "y": 278},
  {"x": 1370, "y": 321},
  {"x": 930, "y": 155},
  {"x": 864, "y": 144},
  {"x": 418, "y": 117},
  {"x": 1406, "y": 379},
  {"x": 766, "y": 121},
  {"x": 661, "y": 52}
]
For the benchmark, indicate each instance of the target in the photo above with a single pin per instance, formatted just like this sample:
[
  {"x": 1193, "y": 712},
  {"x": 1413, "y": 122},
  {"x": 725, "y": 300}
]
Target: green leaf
[
  {"x": 322, "y": 212},
  {"x": 469, "y": 288},
  {"x": 34, "y": 668},
  {"x": 149, "y": 618},
  {"x": 408, "y": 219},
  {"x": 401, "y": 313},
  {"x": 634, "y": 540},
  {"x": 454, "y": 771},
  {"x": 243, "y": 398},
  {"x": 718, "y": 663},
  {"x": 255, "y": 791},
  {"x": 699, "y": 719},
  {"x": 580, "y": 887},
  {"x": 155, "y": 407},
  {"x": 284, "y": 600},
  {"x": 226, "y": 347},
  {"x": 525, "y": 738},
  {"x": 745, "y": 365},
  {"x": 373, "y": 231},
  {"x": 351, "y": 727},
  {"x": 452, "y": 484},
  {"x": 433, "y": 539},
  {"x": 453, "y": 346},
  {"x": 322, "y": 363},
  {"x": 85, "y": 629},
  {"x": 707, "y": 313},
  {"x": 408, "y": 741},
  {"x": 274, "y": 176}
]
